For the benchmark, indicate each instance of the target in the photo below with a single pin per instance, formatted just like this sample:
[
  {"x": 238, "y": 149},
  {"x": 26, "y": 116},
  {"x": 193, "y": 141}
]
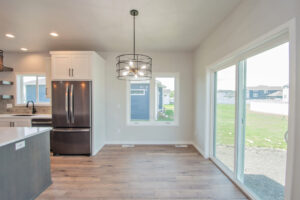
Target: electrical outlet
[
  {"x": 20, "y": 145},
  {"x": 9, "y": 105}
]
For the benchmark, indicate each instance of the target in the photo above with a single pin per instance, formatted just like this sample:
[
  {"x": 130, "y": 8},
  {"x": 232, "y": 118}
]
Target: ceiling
[{"x": 105, "y": 25}]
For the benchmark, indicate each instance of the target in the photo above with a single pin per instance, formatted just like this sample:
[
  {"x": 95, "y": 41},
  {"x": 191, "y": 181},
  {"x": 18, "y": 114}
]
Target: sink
[{"x": 22, "y": 115}]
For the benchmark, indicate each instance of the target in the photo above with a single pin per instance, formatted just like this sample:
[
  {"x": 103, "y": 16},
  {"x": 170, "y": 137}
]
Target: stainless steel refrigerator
[{"x": 71, "y": 117}]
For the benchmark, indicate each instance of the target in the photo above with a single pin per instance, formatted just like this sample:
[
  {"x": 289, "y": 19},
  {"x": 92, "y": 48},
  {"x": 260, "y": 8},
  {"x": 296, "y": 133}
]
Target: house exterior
[
  {"x": 264, "y": 92},
  {"x": 139, "y": 93},
  {"x": 285, "y": 93}
]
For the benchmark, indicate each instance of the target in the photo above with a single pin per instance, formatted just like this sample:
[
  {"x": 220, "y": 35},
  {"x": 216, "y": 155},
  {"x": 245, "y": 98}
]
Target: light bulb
[
  {"x": 9, "y": 35},
  {"x": 131, "y": 63},
  {"x": 53, "y": 34},
  {"x": 141, "y": 73},
  {"x": 143, "y": 67},
  {"x": 125, "y": 73}
]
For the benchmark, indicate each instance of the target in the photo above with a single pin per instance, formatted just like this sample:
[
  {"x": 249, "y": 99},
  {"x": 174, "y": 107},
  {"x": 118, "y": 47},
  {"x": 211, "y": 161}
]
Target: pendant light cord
[{"x": 134, "y": 36}]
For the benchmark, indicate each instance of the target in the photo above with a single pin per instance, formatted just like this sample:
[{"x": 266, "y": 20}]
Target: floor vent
[
  {"x": 181, "y": 145},
  {"x": 127, "y": 145}
]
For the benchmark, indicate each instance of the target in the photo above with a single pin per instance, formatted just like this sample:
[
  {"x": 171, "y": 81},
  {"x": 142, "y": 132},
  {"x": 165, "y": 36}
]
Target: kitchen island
[{"x": 25, "y": 162}]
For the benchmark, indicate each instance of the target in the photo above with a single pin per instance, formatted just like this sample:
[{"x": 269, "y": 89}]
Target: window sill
[{"x": 152, "y": 124}]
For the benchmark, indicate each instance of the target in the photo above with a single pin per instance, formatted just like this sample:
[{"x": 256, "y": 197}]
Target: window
[
  {"x": 164, "y": 101},
  {"x": 31, "y": 88},
  {"x": 153, "y": 102}
]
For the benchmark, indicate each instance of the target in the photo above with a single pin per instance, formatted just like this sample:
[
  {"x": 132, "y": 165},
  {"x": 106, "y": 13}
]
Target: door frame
[{"x": 288, "y": 28}]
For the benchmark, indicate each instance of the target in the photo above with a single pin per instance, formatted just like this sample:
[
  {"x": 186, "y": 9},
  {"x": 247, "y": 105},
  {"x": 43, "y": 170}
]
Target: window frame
[
  {"x": 17, "y": 86},
  {"x": 152, "y": 121}
]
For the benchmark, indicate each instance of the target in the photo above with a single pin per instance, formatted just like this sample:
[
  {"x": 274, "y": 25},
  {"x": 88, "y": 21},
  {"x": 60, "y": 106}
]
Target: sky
[
  {"x": 269, "y": 68},
  {"x": 168, "y": 82}
]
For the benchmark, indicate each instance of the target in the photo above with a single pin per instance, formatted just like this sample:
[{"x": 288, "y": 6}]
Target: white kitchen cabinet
[
  {"x": 4, "y": 123},
  {"x": 61, "y": 67},
  {"x": 22, "y": 123},
  {"x": 72, "y": 65},
  {"x": 13, "y": 122},
  {"x": 48, "y": 76},
  {"x": 81, "y": 67}
]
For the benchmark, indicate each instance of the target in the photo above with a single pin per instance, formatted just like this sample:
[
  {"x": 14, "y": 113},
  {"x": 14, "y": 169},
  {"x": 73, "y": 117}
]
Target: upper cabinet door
[
  {"x": 81, "y": 67},
  {"x": 61, "y": 67}
]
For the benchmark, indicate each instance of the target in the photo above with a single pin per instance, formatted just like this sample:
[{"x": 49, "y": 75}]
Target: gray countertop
[
  {"x": 10, "y": 135},
  {"x": 44, "y": 116}
]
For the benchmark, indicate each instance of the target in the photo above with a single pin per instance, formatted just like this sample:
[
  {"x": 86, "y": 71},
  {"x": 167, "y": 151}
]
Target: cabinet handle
[
  {"x": 72, "y": 72},
  {"x": 11, "y": 124},
  {"x": 69, "y": 72}
]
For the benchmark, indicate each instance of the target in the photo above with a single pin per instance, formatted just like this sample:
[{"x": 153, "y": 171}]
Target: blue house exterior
[
  {"x": 140, "y": 101},
  {"x": 263, "y": 92},
  {"x": 31, "y": 93}
]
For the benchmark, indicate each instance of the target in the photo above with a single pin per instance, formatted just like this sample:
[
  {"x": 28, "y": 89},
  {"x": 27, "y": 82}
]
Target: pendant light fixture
[{"x": 134, "y": 66}]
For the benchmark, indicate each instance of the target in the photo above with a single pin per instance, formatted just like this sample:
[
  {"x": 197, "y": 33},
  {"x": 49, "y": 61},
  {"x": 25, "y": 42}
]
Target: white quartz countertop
[
  {"x": 43, "y": 116},
  {"x": 10, "y": 135}
]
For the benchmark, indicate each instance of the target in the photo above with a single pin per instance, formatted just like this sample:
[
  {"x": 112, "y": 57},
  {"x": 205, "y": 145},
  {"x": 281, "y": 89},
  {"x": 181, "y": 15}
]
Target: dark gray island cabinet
[{"x": 24, "y": 162}]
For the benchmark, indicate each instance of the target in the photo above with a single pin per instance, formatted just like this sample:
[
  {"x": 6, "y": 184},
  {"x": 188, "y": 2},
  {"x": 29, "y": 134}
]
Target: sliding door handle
[{"x": 286, "y": 136}]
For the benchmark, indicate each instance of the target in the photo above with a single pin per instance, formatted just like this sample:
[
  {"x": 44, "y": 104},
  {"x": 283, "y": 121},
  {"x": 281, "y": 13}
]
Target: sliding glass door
[
  {"x": 251, "y": 121},
  {"x": 225, "y": 116}
]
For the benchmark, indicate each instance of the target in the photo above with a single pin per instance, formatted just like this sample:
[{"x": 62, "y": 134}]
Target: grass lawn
[
  {"x": 168, "y": 114},
  {"x": 262, "y": 130}
]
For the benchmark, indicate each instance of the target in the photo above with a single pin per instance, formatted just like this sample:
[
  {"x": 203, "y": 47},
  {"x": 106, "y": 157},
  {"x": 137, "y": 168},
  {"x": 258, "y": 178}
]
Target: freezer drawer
[{"x": 71, "y": 141}]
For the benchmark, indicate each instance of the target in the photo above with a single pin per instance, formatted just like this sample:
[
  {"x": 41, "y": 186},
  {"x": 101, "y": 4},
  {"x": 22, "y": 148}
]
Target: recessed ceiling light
[
  {"x": 9, "y": 35},
  {"x": 24, "y": 49},
  {"x": 54, "y": 34}
]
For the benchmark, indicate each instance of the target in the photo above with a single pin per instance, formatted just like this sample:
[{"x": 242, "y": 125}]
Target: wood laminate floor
[{"x": 142, "y": 172}]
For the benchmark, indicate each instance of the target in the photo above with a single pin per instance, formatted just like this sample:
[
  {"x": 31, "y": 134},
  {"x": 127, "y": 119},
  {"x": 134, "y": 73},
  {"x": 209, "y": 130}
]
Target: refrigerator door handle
[
  {"x": 67, "y": 104},
  {"x": 72, "y": 103}
]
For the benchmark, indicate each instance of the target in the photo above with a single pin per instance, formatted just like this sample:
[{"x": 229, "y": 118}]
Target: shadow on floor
[{"x": 264, "y": 187}]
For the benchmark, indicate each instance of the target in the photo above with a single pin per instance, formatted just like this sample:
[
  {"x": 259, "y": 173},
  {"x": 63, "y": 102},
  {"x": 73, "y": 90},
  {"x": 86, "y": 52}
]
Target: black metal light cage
[{"x": 134, "y": 67}]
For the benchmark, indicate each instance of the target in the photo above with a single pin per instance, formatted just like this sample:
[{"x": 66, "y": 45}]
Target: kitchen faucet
[{"x": 33, "y": 108}]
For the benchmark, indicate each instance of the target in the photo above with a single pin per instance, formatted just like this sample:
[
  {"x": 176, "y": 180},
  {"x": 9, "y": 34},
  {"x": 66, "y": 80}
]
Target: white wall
[
  {"x": 99, "y": 103},
  {"x": 116, "y": 129},
  {"x": 246, "y": 23},
  {"x": 22, "y": 63}
]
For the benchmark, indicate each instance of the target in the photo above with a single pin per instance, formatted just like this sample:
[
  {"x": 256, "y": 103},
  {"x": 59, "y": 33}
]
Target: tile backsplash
[{"x": 22, "y": 109}]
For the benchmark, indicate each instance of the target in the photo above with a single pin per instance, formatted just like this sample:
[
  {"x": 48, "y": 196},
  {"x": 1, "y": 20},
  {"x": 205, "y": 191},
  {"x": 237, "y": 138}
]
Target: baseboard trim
[
  {"x": 200, "y": 151},
  {"x": 149, "y": 142},
  {"x": 98, "y": 149}
]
